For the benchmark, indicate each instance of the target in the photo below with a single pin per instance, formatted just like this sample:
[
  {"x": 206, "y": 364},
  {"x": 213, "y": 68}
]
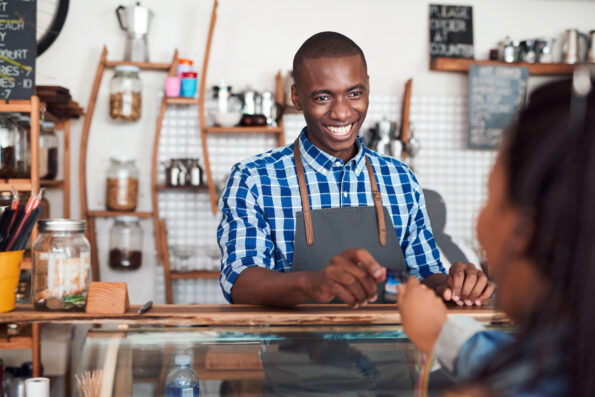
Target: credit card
[{"x": 393, "y": 278}]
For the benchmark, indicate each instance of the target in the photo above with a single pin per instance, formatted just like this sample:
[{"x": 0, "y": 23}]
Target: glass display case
[{"x": 254, "y": 361}]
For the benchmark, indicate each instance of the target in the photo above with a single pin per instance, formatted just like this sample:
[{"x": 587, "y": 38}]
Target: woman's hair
[{"x": 549, "y": 161}]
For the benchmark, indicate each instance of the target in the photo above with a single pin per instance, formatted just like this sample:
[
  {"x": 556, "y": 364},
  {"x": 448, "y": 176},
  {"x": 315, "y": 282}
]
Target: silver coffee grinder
[{"x": 135, "y": 21}]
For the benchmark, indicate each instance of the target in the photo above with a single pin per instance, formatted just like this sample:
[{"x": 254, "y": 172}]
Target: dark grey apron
[{"x": 339, "y": 229}]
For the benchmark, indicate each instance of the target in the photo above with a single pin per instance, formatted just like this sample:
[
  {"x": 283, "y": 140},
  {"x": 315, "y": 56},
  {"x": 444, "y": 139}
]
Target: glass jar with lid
[
  {"x": 122, "y": 184},
  {"x": 61, "y": 262},
  {"x": 5, "y": 199},
  {"x": 126, "y": 243},
  {"x": 8, "y": 133},
  {"x": 48, "y": 151},
  {"x": 125, "y": 94},
  {"x": 22, "y": 145}
]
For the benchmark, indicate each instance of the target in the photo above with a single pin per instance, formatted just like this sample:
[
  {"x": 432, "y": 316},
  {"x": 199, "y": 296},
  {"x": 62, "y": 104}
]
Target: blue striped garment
[{"x": 259, "y": 204}]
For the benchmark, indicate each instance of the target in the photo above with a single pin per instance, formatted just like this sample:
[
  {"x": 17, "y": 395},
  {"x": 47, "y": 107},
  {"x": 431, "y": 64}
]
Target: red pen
[
  {"x": 32, "y": 203},
  {"x": 14, "y": 205}
]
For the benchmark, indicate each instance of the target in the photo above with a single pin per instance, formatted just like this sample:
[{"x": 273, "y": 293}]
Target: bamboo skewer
[{"x": 89, "y": 384}]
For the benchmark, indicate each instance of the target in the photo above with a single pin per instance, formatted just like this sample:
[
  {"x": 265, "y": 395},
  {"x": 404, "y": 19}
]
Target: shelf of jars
[
  {"x": 192, "y": 274},
  {"x": 21, "y": 184},
  {"x": 155, "y": 66},
  {"x": 182, "y": 101},
  {"x": 15, "y": 336},
  {"x": 462, "y": 65},
  {"x": 115, "y": 214},
  {"x": 185, "y": 188},
  {"x": 15, "y": 106},
  {"x": 242, "y": 129}
]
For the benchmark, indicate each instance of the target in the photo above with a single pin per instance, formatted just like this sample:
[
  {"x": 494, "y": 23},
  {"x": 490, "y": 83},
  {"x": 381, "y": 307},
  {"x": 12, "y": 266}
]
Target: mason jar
[
  {"x": 5, "y": 199},
  {"x": 22, "y": 145},
  {"x": 126, "y": 243},
  {"x": 61, "y": 262},
  {"x": 8, "y": 134},
  {"x": 121, "y": 184},
  {"x": 48, "y": 151},
  {"x": 125, "y": 94}
]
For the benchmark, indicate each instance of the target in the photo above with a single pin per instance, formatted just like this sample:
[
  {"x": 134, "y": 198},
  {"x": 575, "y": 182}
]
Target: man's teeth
[{"x": 343, "y": 130}]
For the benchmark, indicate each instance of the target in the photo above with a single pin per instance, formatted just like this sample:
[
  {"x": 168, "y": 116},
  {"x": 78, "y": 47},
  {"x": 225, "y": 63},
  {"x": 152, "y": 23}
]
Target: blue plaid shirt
[{"x": 262, "y": 196}]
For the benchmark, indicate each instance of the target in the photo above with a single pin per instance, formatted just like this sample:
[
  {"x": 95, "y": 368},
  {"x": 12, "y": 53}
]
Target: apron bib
[{"x": 324, "y": 233}]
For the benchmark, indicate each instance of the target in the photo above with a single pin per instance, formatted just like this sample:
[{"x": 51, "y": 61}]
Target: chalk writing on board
[
  {"x": 18, "y": 49},
  {"x": 496, "y": 94},
  {"x": 451, "y": 31}
]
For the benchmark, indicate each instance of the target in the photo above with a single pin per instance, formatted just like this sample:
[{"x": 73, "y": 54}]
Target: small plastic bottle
[{"x": 182, "y": 381}]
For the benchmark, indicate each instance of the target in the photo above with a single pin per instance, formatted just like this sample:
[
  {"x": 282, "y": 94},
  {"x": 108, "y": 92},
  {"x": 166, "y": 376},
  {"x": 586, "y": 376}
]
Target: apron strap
[
  {"x": 306, "y": 200},
  {"x": 377, "y": 204},
  {"x": 304, "y": 193}
]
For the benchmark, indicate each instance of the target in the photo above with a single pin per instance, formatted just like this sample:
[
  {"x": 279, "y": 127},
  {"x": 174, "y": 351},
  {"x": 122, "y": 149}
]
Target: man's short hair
[{"x": 326, "y": 45}]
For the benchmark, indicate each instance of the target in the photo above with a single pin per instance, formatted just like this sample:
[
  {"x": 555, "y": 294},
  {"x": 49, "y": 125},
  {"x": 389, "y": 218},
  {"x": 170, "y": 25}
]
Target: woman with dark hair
[{"x": 538, "y": 232}]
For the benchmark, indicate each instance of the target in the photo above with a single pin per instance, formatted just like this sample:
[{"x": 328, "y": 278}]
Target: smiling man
[{"x": 322, "y": 219}]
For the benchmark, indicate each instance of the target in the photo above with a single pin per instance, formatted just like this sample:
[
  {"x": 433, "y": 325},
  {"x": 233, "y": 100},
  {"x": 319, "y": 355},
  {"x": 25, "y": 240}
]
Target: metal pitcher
[
  {"x": 252, "y": 102},
  {"x": 135, "y": 21},
  {"x": 574, "y": 47},
  {"x": 271, "y": 109}
]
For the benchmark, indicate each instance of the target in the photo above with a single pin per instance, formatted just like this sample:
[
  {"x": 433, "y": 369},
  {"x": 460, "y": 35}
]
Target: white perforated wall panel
[{"x": 444, "y": 164}]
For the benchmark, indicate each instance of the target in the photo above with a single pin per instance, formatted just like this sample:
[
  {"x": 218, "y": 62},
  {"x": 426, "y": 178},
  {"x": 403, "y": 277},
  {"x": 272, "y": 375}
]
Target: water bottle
[{"x": 182, "y": 381}]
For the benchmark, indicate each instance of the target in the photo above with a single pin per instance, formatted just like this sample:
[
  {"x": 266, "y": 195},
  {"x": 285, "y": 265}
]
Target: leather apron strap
[
  {"x": 306, "y": 210},
  {"x": 377, "y": 203},
  {"x": 304, "y": 193}
]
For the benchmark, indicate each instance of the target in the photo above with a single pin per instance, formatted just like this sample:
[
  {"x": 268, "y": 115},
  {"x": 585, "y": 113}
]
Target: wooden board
[
  {"x": 245, "y": 315},
  {"x": 107, "y": 297}
]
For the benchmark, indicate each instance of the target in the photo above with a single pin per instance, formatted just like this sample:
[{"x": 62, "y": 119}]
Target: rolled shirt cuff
[{"x": 455, "y": 332}]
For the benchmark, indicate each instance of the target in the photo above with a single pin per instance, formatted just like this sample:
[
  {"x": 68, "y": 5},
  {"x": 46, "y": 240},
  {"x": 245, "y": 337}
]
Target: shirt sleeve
[
  {"x": 243, "y": 234},
  {"x": 464, "y": 346},
  {"x": 421, "y": 253}
]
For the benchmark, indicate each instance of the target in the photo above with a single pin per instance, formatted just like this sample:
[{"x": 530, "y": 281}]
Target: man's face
[{"x": 333, "y": 95}]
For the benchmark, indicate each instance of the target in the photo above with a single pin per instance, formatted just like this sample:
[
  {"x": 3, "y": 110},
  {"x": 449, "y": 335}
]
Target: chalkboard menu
[
  {"x": 18, "y": 48},
  {"x": 496, "y": 93},
  {"x": 451, "y": 31}
]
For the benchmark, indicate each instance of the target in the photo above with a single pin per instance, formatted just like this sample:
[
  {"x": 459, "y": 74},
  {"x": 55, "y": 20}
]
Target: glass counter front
[{"x": 269, "y": 360}]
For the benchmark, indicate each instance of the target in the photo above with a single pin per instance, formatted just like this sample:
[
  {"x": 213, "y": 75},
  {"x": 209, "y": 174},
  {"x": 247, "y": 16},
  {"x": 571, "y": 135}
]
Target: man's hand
[
  {"x": 465, "y": 285},
  {"x": 350, "y": 276},
  {"x": 422, "y": 312}
]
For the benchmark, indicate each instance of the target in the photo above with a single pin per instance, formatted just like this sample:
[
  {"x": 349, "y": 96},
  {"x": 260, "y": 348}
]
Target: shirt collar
[{"x": 323, "y": 162}]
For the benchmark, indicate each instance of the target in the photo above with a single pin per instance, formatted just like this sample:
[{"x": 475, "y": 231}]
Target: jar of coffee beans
[
  {"x": 121, "y": 188},
  {"x": 126, "y": 243},
  {"x": 125, "y": 94}
]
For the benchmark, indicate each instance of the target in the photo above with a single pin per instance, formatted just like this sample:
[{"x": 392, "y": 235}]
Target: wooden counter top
[{"x": 243, "y": 315}]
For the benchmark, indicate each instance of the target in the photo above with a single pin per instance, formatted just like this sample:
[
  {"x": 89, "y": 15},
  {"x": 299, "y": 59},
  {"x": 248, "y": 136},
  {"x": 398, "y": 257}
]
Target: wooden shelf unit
[
  {"x": 153, "y": 66},
  {"x": 91, "y": 215},
  {"x": 33, "y": 107},
  {"x": 204, "y": 130},
  {"x": 48, "y": 184},
  {"x": 182, "y": 101},
  {"x": 178, "y": 275},
  {"x": 200, "y": 188},
  {"x": 243, "y": 129},
  {"x": 24, "y": 340},
  {"x": 462, "y": 65},
  {"x": 114, "y": 214}
]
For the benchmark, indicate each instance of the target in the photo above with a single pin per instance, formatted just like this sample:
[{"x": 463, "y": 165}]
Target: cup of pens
[
  {"x": 9, "y": 278},
  {"x": 16, "y": 225}
]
